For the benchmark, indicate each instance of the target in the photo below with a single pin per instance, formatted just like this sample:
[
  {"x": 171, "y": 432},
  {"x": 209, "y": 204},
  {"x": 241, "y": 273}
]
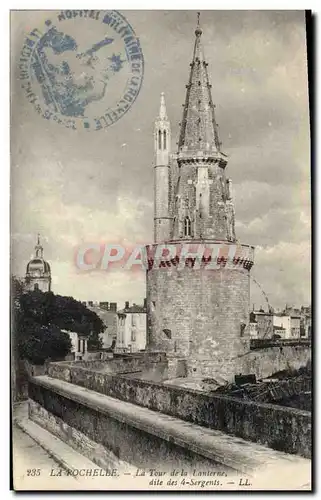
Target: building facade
[
  {"x": 194, "y": 313},
  {"x": 107, "y": 311},
  {"x": 78, "y": 345},
  {"x": 290, "y": 324},
  {"x": 38, "y": 272},
  {"x": 264, "y": 322},
  {"x": 131, "y": 330},
  {"x": 306, "y": 322},
  {"x": 279, "y": 332},
  {"x": 253, "y": 330}
]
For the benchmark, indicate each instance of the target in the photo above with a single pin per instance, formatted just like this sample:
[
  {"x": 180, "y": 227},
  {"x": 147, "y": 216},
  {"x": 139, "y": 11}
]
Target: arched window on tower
[
  {"x": 36, "y": 287},
  {"x": 187, "y": 226},
  {"x": 159, "y": 139},
  {"x": 164, "y": 141}
]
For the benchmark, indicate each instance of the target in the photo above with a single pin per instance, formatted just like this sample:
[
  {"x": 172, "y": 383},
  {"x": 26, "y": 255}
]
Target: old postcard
[{"x": 161, "y": 317}]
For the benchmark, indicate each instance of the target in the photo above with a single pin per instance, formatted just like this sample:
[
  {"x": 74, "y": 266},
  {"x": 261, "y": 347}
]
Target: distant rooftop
[
  {"x": 262, "y": 313},
  {"x": 106, "y": 306},
  {"x": 133, "y": 309}
]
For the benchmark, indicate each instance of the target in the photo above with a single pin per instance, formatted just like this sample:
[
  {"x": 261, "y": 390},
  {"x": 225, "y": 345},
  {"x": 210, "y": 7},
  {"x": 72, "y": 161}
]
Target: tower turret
[{"x": 162, "y": 141}]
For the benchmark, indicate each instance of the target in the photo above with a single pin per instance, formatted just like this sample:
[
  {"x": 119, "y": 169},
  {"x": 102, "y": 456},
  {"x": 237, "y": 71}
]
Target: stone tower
[
  {"x": 162, "y": 141},
  {"x": 198, "y": 313},
  {"x": 38, "y": 273}
]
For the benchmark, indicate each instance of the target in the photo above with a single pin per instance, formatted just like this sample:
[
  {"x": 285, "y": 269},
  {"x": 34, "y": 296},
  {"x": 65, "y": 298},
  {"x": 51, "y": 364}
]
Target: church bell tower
[{"x": 38, "y": 273}]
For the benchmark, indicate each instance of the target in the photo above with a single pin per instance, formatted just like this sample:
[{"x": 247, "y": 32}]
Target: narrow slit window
[
  {"x": 164, "y": 141},
  {"x": 187, "y": 226},
  {"x": 159, "y": 139}
]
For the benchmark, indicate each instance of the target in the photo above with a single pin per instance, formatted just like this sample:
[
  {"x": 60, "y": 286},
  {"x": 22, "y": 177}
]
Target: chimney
[
  {"x": 126, "y": 304},
  {"x": 113, "y": 306}
]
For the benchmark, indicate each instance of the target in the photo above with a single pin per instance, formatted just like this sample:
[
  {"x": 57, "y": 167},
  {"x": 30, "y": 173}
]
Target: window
[
  {"x": 159, "y": 140},
  {"x": 164, "y": 141},
  {"x": 187, "y": 226},
  {"x": 133, "y": 336},
  {"x": 36, "y": 287}
]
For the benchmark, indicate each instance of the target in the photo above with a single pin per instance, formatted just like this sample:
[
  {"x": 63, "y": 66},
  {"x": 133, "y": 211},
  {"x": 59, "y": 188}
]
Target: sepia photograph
[{"x": 160, "y": 250}]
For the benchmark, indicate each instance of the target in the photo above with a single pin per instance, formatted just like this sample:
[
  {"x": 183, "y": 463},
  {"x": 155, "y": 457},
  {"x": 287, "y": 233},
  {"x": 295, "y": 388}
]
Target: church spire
[
  {"x": 199, "y": 130},
  {"x": 39, "y": 248}
]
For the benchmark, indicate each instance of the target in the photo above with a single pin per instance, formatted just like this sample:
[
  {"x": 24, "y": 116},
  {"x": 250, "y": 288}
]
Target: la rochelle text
[{"x": 84, "y": 472}]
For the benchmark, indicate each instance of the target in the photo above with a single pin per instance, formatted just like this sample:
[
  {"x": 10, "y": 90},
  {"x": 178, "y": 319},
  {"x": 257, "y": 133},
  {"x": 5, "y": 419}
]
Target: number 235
[{"x": 33, "y": 472}]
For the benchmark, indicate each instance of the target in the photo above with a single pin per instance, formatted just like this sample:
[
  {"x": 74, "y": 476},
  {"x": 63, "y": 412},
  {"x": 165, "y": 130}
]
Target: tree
[
  {"x": 38, "y": 319},
  {"x": 44, "y": 343}
]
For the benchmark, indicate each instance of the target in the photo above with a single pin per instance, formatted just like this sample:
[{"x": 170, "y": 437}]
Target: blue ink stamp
[{"x": 84, "y": 69}]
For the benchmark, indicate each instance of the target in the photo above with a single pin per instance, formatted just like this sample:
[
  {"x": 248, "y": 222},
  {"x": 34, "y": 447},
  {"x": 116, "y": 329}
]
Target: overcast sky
[{"x": 75, "y": 187}]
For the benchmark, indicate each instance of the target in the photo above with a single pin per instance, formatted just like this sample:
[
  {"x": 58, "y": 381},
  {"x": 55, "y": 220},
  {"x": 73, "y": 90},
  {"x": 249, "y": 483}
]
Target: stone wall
[
  {"x": 118, "y": 363},
  {"x": 265, "y": 362},
  {"x": 281, "y": 428},
  {"x": 23, "y": 370},
  {"x": 261, "y": 362}
]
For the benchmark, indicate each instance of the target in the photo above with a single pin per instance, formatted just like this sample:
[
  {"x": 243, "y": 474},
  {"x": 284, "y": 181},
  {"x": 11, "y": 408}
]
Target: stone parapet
[
  {"x": 170, "y": 441},
  {"x": 278, "y": 427}
]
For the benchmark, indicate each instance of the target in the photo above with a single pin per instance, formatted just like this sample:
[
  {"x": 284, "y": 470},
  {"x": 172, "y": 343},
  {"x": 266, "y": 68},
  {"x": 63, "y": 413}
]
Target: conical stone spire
[{"x": 199, "y": 130}]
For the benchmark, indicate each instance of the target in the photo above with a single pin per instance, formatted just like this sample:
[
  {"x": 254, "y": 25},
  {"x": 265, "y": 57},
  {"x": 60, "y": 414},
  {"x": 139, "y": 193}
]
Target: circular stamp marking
[{"x": 83, "y": 69}]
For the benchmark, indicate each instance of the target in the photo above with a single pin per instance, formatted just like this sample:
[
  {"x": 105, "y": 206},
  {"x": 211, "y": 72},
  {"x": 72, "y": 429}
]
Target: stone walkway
[{"x": 33, "y": 466}]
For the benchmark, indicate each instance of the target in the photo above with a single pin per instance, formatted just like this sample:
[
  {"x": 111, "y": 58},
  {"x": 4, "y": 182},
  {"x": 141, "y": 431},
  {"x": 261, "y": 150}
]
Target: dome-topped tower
[{"x": 38, "y": 274}]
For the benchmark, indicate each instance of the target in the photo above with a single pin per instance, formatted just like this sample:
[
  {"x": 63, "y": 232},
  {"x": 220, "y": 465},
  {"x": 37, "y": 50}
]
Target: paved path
[{"x": 29, "y": 458}]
